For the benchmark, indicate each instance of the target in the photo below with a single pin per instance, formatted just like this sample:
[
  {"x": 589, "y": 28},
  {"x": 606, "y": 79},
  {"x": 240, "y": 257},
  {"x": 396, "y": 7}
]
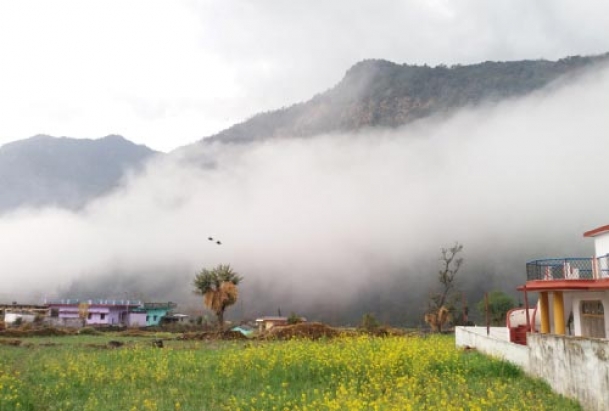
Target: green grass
[{"x": 397, "y": 373}]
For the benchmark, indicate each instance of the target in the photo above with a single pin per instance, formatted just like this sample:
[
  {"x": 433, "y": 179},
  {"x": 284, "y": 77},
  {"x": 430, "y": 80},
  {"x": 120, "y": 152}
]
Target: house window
[
  {"x": 593, "y": 319},
  {"x": 147, "y": 318},
  {"x": 592, "y": 308},
  {"x": 54, "y": 312},
  {"x": 154, "y": 318},
  {"x": 102, "y": 316},
  {"x": 89, "y": 316}
]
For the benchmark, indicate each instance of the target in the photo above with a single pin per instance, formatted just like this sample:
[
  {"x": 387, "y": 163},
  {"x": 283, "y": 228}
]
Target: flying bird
[
  {"x": 210, "y": 238},
  {"x": 219, "y": 242}
]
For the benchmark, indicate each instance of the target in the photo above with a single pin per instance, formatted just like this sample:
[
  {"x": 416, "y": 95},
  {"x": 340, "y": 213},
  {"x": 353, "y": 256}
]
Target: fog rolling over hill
[
  {"x": 64, "y": 172},
  {"x": 379, "y": 93},
  {"x": 342, "y": 223}
]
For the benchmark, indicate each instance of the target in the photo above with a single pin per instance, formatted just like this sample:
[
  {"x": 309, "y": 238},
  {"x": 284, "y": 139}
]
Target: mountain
[
  {"x": 379, "y": 93},
  {"x": 64, "y": 172}
]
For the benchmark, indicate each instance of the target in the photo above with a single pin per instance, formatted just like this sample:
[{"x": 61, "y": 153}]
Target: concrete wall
[
  {"x": 573, "y": 366},
  {"x": 154, "y": 315},
  {"x": 136, "y": 319},
  {"x": 63, "y": 322},
  {"x": 10, "y": 318},
  {"x": 601, "y": 244},
  {"x": 496, "y": 344}
]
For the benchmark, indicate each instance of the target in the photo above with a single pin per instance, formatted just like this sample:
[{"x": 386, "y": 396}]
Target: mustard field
[{"x": 350, "y": 373}]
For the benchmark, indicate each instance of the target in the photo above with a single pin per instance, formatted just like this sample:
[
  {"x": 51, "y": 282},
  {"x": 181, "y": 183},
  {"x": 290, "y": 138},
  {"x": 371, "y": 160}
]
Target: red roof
[{"x": 597, "y": 231}]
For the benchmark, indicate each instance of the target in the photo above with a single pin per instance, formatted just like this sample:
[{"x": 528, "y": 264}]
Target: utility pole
[{"x": 488, "y": 327}]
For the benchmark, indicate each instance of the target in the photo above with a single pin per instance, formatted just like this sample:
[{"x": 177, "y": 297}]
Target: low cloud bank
[{"x": 338, "y": 225}]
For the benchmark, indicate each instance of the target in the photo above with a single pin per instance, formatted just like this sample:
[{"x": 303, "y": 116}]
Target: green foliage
[
  {"x": 88, "y": 331},
  {"x": 382, "y": 93},
  {"x": 499, "y": 303},
  {"x": 294, "y": 319},
  {"x": 207, "y": 280}
]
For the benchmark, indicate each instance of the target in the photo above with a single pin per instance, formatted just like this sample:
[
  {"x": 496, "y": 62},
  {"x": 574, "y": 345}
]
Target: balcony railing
[{"x": 568, "y": 269}]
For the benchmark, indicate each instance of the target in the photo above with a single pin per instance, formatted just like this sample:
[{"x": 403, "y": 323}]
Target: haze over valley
[{"x": 332, "y": 203}]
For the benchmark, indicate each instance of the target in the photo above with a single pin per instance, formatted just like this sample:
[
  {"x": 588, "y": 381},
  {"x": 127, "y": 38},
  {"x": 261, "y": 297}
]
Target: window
[
  {"x": 154, "y": 318},
  {"x": 89, "y": 316},
  {"x": 592, "y": 308},
  {"x": 102, "y": 316},
  {"x": 54, "y": 312},
  {"x": 147, "y": 318},
  {"x": 592, "y": 319}
]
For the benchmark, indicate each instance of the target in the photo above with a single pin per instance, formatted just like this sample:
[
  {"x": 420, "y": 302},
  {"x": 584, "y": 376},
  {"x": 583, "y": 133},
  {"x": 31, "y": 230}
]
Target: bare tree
[{"x": 440, "y": 303}]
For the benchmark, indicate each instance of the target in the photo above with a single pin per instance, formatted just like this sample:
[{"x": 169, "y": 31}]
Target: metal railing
[{"x": 568, "y": 269}]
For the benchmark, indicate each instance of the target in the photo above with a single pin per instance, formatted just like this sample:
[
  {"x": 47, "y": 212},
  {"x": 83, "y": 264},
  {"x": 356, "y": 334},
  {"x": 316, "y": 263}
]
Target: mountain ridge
[
  {"x": 380, "y": 93},
  {"x": 65, "y": 172}
]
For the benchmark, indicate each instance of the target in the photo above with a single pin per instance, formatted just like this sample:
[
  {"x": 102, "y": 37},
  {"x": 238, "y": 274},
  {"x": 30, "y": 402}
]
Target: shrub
[{"x": 88, "y": 331}]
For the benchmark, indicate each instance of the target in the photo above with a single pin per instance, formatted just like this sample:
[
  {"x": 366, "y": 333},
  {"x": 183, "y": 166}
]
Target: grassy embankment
[{"x": 355, "y": 373}]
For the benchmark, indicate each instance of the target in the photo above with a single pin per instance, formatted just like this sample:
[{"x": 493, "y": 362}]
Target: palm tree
[{"x": 218, "y": 287}]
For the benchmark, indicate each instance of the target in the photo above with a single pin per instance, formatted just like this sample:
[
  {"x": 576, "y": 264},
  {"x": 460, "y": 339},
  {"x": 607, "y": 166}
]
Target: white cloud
[{"x": 168, "y": 73}]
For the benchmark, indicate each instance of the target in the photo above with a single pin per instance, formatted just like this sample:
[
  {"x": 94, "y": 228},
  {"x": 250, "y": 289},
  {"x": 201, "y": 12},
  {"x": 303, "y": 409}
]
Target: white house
[{"x": 573, "y": 294}]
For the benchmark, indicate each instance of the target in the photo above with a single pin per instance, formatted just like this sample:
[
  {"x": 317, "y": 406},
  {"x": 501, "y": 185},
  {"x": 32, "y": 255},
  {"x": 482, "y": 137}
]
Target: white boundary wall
[
  {"x": 573, "y": 366},
  {"x": 497, "y": 344}
]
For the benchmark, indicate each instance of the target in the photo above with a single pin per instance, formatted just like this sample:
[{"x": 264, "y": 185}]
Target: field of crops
[{"x": 350, "y": 373}]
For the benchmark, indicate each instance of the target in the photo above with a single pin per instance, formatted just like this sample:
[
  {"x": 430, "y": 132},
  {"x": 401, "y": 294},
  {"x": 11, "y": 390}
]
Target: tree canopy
[
  {"x": 499, "y": 303},
  {"x": 218, "y": 287}
]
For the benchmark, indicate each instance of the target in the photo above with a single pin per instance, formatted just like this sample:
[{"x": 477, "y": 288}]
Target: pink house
[{"x": 98, "y": 312}]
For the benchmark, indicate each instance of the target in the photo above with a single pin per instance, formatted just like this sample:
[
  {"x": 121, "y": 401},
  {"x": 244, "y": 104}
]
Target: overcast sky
[{"x": 168, "y": 73}]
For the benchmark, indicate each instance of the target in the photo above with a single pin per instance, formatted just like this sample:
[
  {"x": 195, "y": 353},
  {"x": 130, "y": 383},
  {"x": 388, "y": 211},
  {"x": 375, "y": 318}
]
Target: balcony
[{"x": 568, "y": 269}]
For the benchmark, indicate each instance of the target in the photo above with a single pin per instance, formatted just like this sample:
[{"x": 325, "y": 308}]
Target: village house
[
  {"x": 72, "y": 312},
  {"x": 154, "y": 312},
  {"x": 572, "y": 294},
  {"x": 12, "y": 313},
  {"x": 561, "y": 339},
  {"x": 268, "y": 322},
  {"x": 99, "y": 312}
]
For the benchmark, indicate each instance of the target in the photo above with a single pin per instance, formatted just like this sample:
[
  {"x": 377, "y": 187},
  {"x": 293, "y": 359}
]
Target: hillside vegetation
[{"x": 379, "y": 93}]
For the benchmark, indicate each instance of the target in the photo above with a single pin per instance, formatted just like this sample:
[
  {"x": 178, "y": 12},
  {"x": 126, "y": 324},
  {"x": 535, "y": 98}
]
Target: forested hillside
[{"x": 379, "y": 93}]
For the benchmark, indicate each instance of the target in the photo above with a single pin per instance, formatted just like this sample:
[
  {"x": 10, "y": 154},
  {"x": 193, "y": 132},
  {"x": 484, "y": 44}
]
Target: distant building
[
  {"x": 153, "y": 313},
  {"x": 108, "y": 312},
  {"x": 266, "y": 323},
  {"x": 176, "y": 319},
  {"x": 96, "y": 312},
  {"x": 11, "y": 313}
]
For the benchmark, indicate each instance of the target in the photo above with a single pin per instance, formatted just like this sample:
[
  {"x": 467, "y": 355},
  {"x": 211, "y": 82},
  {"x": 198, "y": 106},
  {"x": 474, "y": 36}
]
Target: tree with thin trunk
[
  {"x": 440, "y": 303},
  {"x": 218, "y": 287}
]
